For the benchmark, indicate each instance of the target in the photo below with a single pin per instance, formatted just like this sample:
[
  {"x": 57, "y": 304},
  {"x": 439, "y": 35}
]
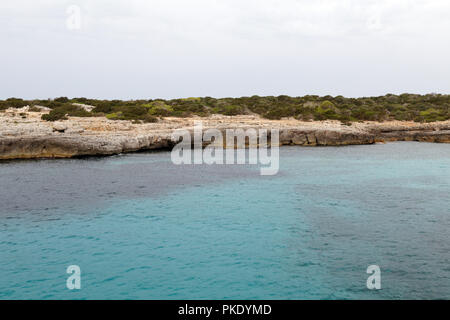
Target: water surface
[{"x": 142, "y": 228}]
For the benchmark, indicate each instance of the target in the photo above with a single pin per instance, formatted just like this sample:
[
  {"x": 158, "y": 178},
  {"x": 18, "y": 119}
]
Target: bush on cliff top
[
  {"x": 134, "y": 113},
  {"x": 61, "y": 112},
  {"x": 412, "y": 107}
]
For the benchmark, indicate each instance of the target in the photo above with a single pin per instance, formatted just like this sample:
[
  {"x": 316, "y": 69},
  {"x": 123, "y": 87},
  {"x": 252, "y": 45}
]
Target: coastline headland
[{"x": 24, "y": 135}]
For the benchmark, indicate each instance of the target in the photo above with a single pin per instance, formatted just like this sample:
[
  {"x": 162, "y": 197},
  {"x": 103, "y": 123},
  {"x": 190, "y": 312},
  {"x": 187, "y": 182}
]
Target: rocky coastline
[{"x": 23, "y": 135}]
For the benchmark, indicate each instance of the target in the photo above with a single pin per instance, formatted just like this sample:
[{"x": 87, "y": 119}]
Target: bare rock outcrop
[
  {"x": 323, "y": 137},
  {"x": 25, "y": 137}
]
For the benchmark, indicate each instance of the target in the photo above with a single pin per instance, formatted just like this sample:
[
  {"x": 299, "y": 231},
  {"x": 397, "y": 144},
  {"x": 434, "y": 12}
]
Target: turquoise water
[{"x": 142, "y": 228}]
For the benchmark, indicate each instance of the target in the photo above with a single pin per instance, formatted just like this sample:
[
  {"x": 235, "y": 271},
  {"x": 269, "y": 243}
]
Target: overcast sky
[{"x": 184, "y": 48}]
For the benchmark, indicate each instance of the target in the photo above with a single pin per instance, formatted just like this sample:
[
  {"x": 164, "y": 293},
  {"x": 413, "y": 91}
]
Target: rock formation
[{"x": 24, "y": 135}]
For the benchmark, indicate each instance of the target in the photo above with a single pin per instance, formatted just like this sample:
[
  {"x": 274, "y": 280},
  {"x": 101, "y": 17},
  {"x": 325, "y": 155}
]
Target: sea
[{"x": 138, "y": 226}]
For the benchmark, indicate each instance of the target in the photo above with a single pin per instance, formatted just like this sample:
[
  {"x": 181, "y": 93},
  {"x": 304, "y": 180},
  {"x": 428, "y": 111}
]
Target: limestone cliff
[{"x": 24, "y": 135}]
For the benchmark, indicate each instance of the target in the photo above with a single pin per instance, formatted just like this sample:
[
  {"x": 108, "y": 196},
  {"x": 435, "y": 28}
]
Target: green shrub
[
  {"x": 427, "y": 108},
  {"x": 149, "y": 118},
  {"x": 133, "y": 113},
  {"x": 113, "y": 116},
  {"x": 232, "y": 110},
  {"x": 159, "y": 108},
  {"x": 62, "y": 99},
  {"x": 431, "y": 115},
  {"x": 34, "y": 109},
  {"x": 103, "y": 108},
  {"x": 60, "y": 112},
  {"x": 54, "y": 115},
  {"x": 326, "y": 105},
  {"x": 14, "y": 103}
]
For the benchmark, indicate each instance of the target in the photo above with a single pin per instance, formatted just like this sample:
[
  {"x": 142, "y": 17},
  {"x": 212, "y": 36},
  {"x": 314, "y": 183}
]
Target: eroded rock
[{"x": 35, "y": 138}]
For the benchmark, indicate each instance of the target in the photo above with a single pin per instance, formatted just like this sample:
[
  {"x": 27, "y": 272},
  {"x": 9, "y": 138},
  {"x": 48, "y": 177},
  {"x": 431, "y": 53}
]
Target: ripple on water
[{"x": 141, "y": 228}]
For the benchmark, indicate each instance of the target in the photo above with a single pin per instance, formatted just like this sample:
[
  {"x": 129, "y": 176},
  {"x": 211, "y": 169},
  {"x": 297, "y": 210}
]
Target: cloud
[
  {"x": 279, "y": 45},
  {"x": 201, "y": 20},
  {"x": 256, "y": 18}
]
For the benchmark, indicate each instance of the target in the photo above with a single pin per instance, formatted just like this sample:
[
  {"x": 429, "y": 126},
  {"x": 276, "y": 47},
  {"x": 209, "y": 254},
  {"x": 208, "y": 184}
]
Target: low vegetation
[
  {"x": 413, "y": 107},
  {"x": 60, "y": 111}
]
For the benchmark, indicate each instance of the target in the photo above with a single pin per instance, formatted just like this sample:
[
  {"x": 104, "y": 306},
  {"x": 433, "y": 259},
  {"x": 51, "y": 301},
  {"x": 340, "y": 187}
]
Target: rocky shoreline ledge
[{"x": 23, "y": 135}]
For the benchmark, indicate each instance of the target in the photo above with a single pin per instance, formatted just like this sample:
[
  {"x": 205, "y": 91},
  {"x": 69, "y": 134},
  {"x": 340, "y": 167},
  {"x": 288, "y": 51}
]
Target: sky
[{"x": 142, "y": 49}]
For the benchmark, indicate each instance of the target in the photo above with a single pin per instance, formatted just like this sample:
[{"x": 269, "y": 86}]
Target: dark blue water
[{"x": 140, "y": 227}]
